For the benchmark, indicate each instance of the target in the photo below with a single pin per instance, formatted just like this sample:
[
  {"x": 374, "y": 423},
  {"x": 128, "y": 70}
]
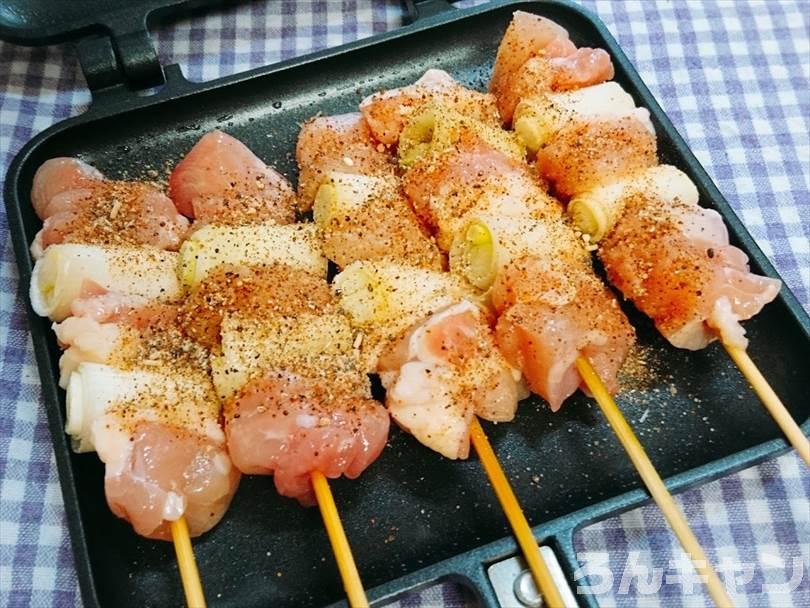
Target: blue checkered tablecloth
[{"x": 734, "y": 76}]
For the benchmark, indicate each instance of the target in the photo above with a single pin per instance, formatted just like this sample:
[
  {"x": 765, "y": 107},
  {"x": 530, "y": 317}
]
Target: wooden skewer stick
[
  {"x": 189, "y": 574},
  {"x": 771, "y": 401},
  {"x": 515, "y": 515},
  {"x": 654, "y": 483},
  {"x": 340, "y": 544}
]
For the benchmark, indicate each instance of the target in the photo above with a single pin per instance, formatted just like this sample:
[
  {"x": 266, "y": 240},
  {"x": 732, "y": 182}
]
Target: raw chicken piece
[
  {"x": 583, "y": 155},
  {"x": 383, "y": 300},
  {"x": 59, "y": 175},
  {"x": 109, "y": 306},
  {"x": 527, "y": 36},
  {"x": 159, "y": 436},
  {"x": 286, "y": 366},
  {"x": 126, "y": 333},
  {"x": 387, "y": 112},
  {"x": 170, "y": 472},
  {"x": 472, "y": 180},
  {"x": 259, "y": 319},
  {"x": 289, "y": 425},
  {"x": 444, "y": 370},
  {"x": 257, "y": 291},
  {"x": 86, "y": 340},
  {"x": 341, "y": 143},
  {"x": 425, "y": 400},
  {"x": 433, "y": 348},
  {"x": 79, "y": 205},
  {"x": 536, "y": 54},
  {"x": 470, "y": 167},
  {"x": 112, "y": 213},
  {"x": 220, "y": 181},
  {"x": 552, "y": 311},
  {"x": 540, "y": 116},
  {"x": 584, "y": 67},
  {"x": 674, "y": 261}
]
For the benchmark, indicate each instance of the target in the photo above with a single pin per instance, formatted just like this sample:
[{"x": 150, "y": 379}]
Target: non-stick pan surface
[{"x": 412, "y": 508}]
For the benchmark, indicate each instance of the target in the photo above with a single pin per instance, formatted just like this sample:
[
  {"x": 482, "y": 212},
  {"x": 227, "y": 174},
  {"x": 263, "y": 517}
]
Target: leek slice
[
  {"x": 266, "y": 243},
  {"x": 537, "y": 118},
  {"x": 64, "y": 271},
  {"x": 436, "y": 128},
  {"x": 596, "y": 212},
  {"x": 487, "y": 243}
]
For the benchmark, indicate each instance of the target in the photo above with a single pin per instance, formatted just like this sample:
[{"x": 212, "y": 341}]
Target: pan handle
[
  {"x": 416, "y": 10},
  {"x": 122, "y": 67}
]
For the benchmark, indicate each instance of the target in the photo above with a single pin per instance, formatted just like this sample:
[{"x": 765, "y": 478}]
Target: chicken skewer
[
  {"x": 512, "y": 289},
  {"x": 296, "y": 404},
  {"x": 110, "y": 278},
  {"x": 726, "y": 292},
  {"x": 277, "y": 421},
  {"x": 506, "y": 236},
  {"x": 448, "y": 208},
  {"x": 88, "y": 409},
  {"x": 365, "y": 222},
  {"x": 104, "y": 261},
  {"x": 646, "y": 218}
]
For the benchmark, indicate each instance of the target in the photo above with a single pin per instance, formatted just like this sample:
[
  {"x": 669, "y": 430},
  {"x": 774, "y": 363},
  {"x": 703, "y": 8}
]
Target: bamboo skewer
[
  {"x": 771, "y": 401},
  {"x": 189, "y": 574},
  {"x": 517, "y": 519},
  {"x": 654, "y": 483},
  {"x": 340, "y": 544}
]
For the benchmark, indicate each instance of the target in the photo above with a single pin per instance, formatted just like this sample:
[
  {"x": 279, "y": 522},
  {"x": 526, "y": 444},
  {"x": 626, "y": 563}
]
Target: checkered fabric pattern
[
  {"x": 733, "y": 75},
  {"x": 749, "y": 525}
]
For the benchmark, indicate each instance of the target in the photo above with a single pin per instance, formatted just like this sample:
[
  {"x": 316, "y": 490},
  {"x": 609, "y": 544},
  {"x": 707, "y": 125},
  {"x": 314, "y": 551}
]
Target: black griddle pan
[{"x": 413, "y": 518}]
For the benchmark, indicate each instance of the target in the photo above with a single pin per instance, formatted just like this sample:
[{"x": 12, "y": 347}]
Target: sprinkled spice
[
  {"x": 336, "y": 143},
  {"x": 649, "y": 257},
  {"x": 109, "y": 212},
  {"x": 584, "y": 154},
  {"x": 258, "y": 291}
]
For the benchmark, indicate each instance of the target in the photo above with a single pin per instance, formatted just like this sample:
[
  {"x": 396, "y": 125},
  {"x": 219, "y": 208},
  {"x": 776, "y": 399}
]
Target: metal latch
[{"x": 515, "y": 588}]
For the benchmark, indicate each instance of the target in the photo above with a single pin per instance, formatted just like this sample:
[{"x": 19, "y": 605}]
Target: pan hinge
[
  {"x": 124, "y": 56},
  {"x": 421, "y": 9}
]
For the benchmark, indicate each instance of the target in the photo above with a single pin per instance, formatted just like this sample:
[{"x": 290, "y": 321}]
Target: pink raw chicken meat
[
  {"x": 59, "y": 175},
  {"x": 221, "y": 181},
  {"x": 387, "y": 112},
  {"x": 442, "y": 372},
  {"x": 112, "y": 327},
  {"x": 337, "y": 143},
  {"x": 289, "y": 426},
  {"x": 165, "y": 462},
  {"x": 676, "y": 264},
  {"x": 156, "y": 470},
  {"x": 536, "y": 54},
  {"x": 583, "y": 155},
  {"x": 79, "y": 205},
  {"x": 467, "y": 168},
  {"x": 550, "y": 313},
  {"x": 110, "y": 306}
]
